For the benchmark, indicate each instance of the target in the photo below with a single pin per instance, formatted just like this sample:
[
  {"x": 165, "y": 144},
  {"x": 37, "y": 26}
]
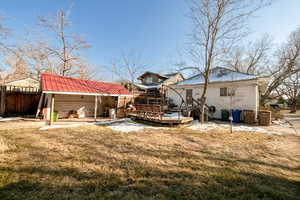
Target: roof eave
[
  {"x": 84, "y": 93},
  {"x": 220, "y": 82}
]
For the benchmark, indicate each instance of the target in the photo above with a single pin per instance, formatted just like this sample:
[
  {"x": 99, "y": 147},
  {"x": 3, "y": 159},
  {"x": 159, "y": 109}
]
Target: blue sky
[{"x": 157, "y": 29}]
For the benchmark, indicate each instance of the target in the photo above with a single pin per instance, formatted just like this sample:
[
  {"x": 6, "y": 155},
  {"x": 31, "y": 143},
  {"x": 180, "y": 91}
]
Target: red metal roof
[{"x": 60, "y": 84}]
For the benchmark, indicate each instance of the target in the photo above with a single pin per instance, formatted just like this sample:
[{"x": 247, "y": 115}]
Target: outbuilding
[{"x": 76, "y": 98}]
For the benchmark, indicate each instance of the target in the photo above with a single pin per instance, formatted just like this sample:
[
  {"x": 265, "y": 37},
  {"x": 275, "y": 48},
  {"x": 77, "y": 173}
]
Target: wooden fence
[{"x": 18, "y": 100}]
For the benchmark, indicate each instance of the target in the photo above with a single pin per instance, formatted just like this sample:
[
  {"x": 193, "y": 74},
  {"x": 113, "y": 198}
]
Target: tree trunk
[{"x": 294, "y": 107}]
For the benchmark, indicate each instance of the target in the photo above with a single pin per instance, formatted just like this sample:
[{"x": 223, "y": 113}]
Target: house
[
  {"x": 69, "y": 97},
  {"x": 26, "y": 84},
  {"x": 153, "y": 87},
  {"x": 227, "y": 89}
]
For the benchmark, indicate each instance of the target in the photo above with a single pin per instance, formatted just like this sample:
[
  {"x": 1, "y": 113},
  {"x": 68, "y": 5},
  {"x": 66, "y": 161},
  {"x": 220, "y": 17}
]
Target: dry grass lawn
[{"x": 97, "y": 163}]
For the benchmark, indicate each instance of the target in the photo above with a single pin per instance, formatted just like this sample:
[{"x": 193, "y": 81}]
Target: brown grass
[{"x": 97, "y": 163}]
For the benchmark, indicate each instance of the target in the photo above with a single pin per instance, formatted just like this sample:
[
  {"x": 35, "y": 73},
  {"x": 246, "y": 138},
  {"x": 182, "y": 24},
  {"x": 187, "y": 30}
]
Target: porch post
[
  {"x": 51, "y": 109},
  {"x": 118, "y": 105},
  {"x": 96, "y": 106},
  {"x": 39, "y": 106}
]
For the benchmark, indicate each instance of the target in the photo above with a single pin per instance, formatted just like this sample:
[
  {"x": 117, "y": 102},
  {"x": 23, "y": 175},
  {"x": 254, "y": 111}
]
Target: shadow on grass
[
  {"x": 190, "y": 176},
  {"x": 144, "y": 183}
]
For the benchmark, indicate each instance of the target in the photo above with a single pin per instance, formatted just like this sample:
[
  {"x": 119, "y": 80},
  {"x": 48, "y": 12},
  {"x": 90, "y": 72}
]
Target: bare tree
[
  {"x": 218, "y": 25},
  {"x": 4, "y": 32},
  {"x": 290, "y": 89},
  {"x": 67, "y": 47},
  {"x": 18, "y": 67},
  {"x": 128, "y": 67},
  {"x": 36, "y": 56},
  {"x": 286, "y": 65},
  {"x": 252, "y": 58}
]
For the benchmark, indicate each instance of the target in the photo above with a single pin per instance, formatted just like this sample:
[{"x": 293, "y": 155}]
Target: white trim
[{"x": 90, "y": 94}]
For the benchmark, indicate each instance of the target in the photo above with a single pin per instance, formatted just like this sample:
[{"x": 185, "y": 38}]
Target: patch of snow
[
  {"x": 62, "y": 126},
  {"x": 127, "y": 127},
  {"x": 173, "y": 115},
  {"x": 85, "y": 124},
  {"x": 212, "y": 126},
  {"x": 9, "y": 118},
  {"x": 281, "y": 122},
  {"x": 112, "y": 121}
]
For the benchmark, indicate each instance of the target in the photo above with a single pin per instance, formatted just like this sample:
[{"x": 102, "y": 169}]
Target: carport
[{"x": 76, "y": 98}]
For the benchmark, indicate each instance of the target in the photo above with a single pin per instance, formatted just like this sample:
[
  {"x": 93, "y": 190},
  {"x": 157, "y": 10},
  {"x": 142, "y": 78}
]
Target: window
[
  {"x": 224, "y": 92},
  {"x": 149, "y": 79}
]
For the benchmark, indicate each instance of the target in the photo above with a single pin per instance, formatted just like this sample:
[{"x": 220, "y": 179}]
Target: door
[{"x": 189, "y": 96}]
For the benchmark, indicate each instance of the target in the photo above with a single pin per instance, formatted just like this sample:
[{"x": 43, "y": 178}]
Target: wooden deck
[{"x": 162, "y": 120}]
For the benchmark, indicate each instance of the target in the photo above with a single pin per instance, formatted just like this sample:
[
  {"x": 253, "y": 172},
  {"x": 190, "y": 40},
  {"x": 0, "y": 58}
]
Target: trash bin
[
  {"x": 236, "y": 115},
  {"x": 55, "y": 116},
  {"x": 224, "y": 115},
  {"x": 112, "y": 113},
  {"x": 249, "y": 116},
  {"x": 264, "y": 117}
]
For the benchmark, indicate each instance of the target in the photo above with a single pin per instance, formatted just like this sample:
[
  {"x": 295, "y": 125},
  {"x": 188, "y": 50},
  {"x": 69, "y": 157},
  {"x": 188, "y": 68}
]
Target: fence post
[{"x": 2, "y": 99}]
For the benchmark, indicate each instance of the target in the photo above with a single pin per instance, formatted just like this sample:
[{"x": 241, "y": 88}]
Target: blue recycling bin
[{"x": 236, "y": 115}]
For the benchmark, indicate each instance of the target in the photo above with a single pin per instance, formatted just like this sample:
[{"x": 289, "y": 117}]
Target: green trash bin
[
  {"x": 225, "y": 115},
  {"x": 55, "y": 116}
]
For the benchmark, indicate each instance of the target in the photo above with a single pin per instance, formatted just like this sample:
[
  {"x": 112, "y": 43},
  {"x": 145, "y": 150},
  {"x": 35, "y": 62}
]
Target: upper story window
[
  {"x": 149, "y": 79},
  {"x": 224, "y": 92}
]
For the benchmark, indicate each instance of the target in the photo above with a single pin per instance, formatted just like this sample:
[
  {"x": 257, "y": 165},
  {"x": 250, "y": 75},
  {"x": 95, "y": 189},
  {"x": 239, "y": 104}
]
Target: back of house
[{"x": 227, "y": 90}]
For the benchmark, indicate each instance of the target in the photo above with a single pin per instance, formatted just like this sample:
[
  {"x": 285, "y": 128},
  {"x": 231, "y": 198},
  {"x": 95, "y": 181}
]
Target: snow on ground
[
  {"x": 211, "y": 125},
  {"x": 62, "y": 126},
  {"x": 10, "y": 118},
  {"x": 84, "y": 124},
  {"x": 112, "y": 121},
  {"x": 127, "y": 127},
  {"x": 173, "y": 115}
]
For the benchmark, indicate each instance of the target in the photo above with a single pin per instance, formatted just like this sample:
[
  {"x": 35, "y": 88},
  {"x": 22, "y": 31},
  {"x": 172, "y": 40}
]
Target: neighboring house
[
  {"x": 69, "y": 97},
  {"x": 25, "y": 84},
  {"x": 153, "y": 87},
  {"x": 226, "y": 90}
]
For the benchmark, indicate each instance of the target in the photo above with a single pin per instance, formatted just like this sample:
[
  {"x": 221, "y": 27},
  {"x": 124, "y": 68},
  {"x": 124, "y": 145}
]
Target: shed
[{"x": 68, "y": 96}]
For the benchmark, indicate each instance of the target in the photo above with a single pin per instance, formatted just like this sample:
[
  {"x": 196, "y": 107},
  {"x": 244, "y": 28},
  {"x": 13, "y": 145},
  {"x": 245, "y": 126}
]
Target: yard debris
[{"x": 212, "y": 125}]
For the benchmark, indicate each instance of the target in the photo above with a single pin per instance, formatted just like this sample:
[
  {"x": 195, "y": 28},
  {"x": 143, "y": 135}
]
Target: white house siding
[{"x": 245, "y": 98}]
